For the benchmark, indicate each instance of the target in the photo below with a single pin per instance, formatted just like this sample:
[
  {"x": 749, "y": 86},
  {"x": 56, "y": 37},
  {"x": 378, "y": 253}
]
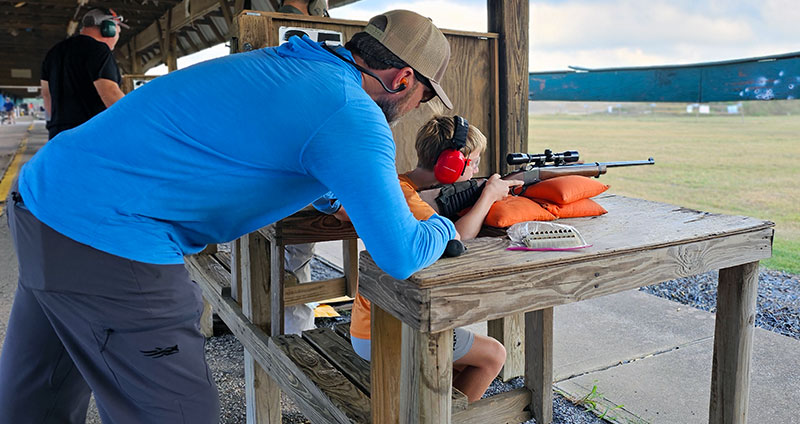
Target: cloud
[{"x": 465, "y": 16}]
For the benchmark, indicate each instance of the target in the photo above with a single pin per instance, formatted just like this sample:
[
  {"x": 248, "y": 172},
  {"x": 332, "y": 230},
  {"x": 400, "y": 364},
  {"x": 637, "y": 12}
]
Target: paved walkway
[{"x": 649, "y": 358}]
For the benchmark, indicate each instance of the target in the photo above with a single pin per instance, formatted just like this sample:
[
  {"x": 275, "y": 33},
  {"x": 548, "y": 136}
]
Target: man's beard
[{"x": 392, "y": 108}]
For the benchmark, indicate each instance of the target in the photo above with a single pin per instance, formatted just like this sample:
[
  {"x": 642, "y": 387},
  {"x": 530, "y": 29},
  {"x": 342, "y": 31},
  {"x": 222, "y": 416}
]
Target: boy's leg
[
  {"x": 38, "y": 380},
  {"x": 481, "y": 363}
]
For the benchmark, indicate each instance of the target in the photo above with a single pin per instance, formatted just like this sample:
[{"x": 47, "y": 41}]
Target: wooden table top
[
  {"x": 630, "y": 224},
  {"x": 638, "y": 242}
]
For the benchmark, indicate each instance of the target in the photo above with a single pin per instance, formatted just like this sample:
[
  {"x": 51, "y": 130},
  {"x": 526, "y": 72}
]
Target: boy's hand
[
  {"x": 497, "y": 189},
  {"x": 341, "y": 215}
]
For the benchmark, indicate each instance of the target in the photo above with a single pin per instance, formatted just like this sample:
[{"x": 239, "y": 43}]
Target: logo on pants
[{"x": 160, "y": 351}]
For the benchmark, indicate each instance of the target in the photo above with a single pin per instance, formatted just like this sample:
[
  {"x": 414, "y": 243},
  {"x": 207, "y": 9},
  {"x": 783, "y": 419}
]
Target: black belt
[{"x": 16, "y": 197}]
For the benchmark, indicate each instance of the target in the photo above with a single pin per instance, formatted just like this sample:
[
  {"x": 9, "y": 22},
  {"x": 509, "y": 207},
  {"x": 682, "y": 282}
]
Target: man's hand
[{"x": 497, "y": 188}]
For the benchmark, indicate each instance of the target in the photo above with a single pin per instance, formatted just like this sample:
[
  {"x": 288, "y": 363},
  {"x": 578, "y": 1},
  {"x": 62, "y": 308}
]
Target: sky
[{"x": 616, "y": 33}]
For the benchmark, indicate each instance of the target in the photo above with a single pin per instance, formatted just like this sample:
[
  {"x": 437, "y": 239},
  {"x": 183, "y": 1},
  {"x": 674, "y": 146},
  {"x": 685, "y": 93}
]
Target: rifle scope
[{"x": 541, "y": 159}]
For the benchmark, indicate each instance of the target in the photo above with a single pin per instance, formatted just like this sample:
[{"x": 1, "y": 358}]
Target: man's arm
[
  {"x": 352, "y": 154},
  {"x": 46, "y": 98},
  {"x": 108, "y": 90}
]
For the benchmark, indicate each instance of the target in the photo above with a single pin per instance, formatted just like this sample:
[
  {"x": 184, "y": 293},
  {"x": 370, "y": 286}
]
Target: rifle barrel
[{"x": 649, "y": 161}]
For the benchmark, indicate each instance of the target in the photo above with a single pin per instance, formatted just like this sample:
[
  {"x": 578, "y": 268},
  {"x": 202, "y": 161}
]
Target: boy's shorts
[{"x": 462, "y": 343}]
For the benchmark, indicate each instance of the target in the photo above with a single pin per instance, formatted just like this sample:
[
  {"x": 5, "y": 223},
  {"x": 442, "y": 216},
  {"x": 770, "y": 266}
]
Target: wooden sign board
[{"x": 470, "y": 81}]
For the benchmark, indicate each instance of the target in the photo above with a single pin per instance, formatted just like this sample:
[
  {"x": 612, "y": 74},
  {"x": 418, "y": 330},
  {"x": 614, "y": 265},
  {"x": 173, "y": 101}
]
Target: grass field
[{"x": 727, "y": 164}]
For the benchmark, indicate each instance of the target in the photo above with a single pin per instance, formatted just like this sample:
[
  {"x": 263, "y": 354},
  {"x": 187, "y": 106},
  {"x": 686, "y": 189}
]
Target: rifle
[{"x": 448, "y": 199}]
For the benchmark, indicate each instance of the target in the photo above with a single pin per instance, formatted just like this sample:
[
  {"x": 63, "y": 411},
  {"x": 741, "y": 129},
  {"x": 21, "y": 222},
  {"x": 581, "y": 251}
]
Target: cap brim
[{"x": 441, "y": 94}]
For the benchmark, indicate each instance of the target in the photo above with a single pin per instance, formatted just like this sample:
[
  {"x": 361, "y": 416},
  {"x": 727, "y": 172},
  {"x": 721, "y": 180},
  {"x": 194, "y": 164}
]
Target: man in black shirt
[
  {"x": 305, "y": 7},
  {"x": 80, "y": 77}
]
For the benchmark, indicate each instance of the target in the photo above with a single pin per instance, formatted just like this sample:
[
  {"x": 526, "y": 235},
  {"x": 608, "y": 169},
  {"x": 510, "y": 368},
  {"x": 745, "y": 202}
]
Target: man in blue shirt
[{"x": 104, "y": 213}]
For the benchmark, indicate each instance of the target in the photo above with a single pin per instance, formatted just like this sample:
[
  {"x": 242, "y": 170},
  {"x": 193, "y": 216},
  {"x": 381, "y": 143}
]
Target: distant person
[
  {"x": 305, "y": 7},
  {"x": 8, "y": 111},
  {"x": 80, "y": 77}
]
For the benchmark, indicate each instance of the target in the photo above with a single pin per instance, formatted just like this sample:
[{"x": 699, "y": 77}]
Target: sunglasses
[
  {"x": 429, "y": 93},
  {"x": 474, "y": 163}
]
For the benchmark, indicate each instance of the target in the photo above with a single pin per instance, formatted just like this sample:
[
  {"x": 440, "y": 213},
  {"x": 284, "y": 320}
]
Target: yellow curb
[{"x": 11, "y": 172}]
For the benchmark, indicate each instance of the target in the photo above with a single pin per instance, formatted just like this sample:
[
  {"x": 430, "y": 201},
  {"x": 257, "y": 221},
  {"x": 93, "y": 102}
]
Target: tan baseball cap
[{"x": 414, "y": 39}]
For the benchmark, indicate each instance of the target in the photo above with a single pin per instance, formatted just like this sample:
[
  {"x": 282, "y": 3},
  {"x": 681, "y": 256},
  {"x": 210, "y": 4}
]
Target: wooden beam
[
  {"x": 226, "y": 12},
  {"x": 510, "y": 19}
]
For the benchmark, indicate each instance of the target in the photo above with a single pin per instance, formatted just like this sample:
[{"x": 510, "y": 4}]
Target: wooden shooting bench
[{"x": 637, "y": 243}]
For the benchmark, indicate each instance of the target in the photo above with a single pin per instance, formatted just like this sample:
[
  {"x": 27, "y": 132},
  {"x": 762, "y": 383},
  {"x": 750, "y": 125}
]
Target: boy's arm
[{"x": 496, "y": 189}]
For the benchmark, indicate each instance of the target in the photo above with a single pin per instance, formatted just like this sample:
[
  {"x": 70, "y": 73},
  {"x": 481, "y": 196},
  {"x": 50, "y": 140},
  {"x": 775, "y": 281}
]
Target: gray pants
[{"x": 86, "y": 321}]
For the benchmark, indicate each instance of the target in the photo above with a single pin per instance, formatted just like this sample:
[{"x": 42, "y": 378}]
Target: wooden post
[
  {"x": 510, "y": 18},
  {"x": 276, "y": 276},
  {"x": 350, "y": 265},
  {"x": 236, "y": 270},
  {"x": 509, "y": 331},
  {"x": 539, "y": 363},
  {"x": 226, "y": 13},
  {"x": 172, "y": 54},
  {"x": 426, "y": 379},
  {"x": 384, "y": 369},
  {"x": 262, "y": 394},
  {"x": 733, "y": 344},
  {"x": 207, "y": 320}
]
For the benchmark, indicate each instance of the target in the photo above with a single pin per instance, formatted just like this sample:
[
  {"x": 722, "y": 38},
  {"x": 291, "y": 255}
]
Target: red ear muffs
[
  {"x": 451, "y": 163},
  {"x": 449, "y": 166}
]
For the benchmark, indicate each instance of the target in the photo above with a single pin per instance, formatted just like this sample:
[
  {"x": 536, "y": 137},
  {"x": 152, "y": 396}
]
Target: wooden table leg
[
  {"x": 350, "y": 264},
  {"x": 236, "y": 270},
  {"x": 733, "y": 344},
  {"x": 262, "y": 394},
  {"x": 426, "y": 379},
  {"x": 509, "y": 331},
  {"x": 385, "y": 371},
  {"x": 277, "y": 254},
  {"x": 207, "y": 319},
  {"x": 539, "y": 363}
]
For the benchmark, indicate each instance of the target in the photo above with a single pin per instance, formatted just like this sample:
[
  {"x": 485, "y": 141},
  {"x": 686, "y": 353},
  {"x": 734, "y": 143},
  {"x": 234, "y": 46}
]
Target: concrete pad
[
  {"x": 331, "y": 251},
  {"x": 602, "y": 332},
  {"x": 674, "y": 387}
]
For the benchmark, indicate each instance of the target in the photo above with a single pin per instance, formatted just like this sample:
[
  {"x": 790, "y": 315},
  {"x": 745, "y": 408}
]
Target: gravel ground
[{"x": 777, "y": 308}]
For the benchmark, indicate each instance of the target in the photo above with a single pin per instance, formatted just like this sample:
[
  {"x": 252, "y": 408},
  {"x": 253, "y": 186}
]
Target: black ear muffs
[
  {"x": 108, "y": 29},
  {"x": 451, "y": 163}
]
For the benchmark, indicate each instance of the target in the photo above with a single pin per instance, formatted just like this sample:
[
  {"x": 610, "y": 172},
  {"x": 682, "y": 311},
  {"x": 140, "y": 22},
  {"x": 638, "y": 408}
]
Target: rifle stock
[{"x": 449, "y": 199}]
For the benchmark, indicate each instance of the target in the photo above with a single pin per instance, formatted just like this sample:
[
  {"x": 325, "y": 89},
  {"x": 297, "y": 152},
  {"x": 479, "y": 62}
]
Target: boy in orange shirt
[{"x": 477, "y": 359}]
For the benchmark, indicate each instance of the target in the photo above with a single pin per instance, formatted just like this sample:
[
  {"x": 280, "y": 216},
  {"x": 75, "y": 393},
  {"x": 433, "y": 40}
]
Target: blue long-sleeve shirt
[{"x": 212, "y": 152}]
